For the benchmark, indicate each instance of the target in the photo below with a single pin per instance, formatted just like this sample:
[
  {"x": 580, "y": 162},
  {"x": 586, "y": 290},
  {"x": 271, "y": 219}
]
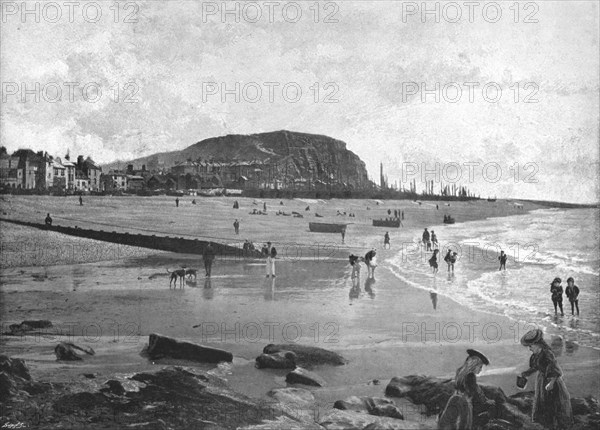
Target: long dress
[
  {"x": 550, "y": 408},
  {"x": 468, "y": 407}
]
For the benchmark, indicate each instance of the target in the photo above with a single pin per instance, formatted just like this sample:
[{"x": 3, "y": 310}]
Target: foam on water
[{"x": 540, "y": 245}]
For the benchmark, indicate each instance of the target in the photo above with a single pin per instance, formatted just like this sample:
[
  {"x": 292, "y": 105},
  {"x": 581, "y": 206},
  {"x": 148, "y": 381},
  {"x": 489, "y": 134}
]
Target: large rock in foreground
[
  {"x": 278, "y": 360},
  {"x": 377, "y": 406},
  {"x": 162, "y": 346},
  {"x": 307, "y": 355}
]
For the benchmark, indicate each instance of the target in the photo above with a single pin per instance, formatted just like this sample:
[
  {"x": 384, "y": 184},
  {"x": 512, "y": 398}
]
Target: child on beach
[
  {"x": 386, "y": 240},
  {"x": 433, "y": 261},
  {"x": 450, "y": 259},
  {"x": 355, "y": 263},
  {"x": 370, "y": 262},
  {"x": 572, "y": 292},
  {"x": 503, "y": 257},
  {"x": 557, "y": 292}
]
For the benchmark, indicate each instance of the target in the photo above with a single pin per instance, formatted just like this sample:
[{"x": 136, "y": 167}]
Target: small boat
[
  {"x": 395, "y": 223},
  {"x": 491, "y": 199},
  {"x": 449, "y": 220},
  {"x": 322, "y": 227}
]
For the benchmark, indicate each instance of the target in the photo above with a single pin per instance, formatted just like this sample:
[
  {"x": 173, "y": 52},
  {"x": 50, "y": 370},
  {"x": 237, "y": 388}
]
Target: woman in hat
[
  {"x": 468, "y": 407},
  {"x": 551, "y": 403}
]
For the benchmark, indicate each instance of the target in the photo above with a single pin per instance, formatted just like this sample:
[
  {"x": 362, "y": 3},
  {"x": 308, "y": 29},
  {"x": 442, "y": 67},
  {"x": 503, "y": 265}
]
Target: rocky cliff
[{"x": 297, "y": 155}]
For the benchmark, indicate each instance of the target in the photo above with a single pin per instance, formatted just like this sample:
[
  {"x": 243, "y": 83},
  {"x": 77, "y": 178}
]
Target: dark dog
[
  {"x": 191, "y": 272},
  {"x": 178, "y": 273}
]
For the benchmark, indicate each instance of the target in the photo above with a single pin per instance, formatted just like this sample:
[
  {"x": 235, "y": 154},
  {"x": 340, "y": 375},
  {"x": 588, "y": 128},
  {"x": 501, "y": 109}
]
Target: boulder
[
  {"x": 278, "y": 360},
  {"x": 308, "y": 355},
  {"x": 113, "y": 387},
  {"x": 298, "y": 403},
  {"x": 350, "y": 420},
  {"x": 163, "y": 346},
  {"x": 371, "y": 405},
  {"x": 303, "y": 376},
  {"x": 584, "y": 406},
  {"x": 28, "y": 326},
  {"x": 65, "y": 352},
  {"x": 14, "y": 367},
  {"x": 422, "y": 390}
]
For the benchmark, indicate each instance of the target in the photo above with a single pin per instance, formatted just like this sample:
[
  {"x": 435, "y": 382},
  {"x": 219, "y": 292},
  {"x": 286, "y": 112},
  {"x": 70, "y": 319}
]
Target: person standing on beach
[
  {"x": 386, "y": 240},
  {"x": 572, "y": 292},
  {"x": 370, "y": 262},
  {"x": 426, "y": 238},
  {"x": 503, "y": 257},
  {"x": 265, "y": 206},
  {"x": 208, "y": 256},
  {"x": 557, "y": 291},
  {"x": 551, "y": 401},
  {"x": 402, "y": 215},
  {"x": 48, "y": 220},
  {"x": 433, "y": 261},
  {"x": 272, "y": 253},
  {"x": 343, "y": 234},
  {"x": 468, "y": 407},
  {"x": 236, "y": 226},
  {"x": 355, "y": 263},
  {"x": 177, "y": 202},
  {"x": 434, "y": 240},
  {"x": 80, "y": 201}
]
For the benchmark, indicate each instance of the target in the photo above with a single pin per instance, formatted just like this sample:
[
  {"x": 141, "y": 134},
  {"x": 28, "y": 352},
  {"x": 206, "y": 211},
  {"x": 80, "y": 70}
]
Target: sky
[{"x": 172, "y": 73}]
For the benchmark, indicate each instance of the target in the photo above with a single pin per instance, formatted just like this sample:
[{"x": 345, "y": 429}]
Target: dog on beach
[
  {"x": 176, "y": 274},
  {"x": 191, "y": 272}
]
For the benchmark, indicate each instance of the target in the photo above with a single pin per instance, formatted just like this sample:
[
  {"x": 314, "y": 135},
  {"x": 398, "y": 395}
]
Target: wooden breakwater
[{"x": 164, "y": 243}]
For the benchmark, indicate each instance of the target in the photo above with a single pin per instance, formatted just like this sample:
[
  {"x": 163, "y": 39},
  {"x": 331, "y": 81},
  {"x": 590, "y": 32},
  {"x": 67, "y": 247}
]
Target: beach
[{"x": 111, "y": 297}]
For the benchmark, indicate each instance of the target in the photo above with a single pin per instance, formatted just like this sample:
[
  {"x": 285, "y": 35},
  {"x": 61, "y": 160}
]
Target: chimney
[{"x": 80, "y": 162}]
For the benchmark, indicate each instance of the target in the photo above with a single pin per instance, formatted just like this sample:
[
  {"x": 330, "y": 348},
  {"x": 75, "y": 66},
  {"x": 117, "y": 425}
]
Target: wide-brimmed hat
[
  {"x": 557, "y": 280},
  {"x": 475, "y": 353},
  {"x": 532, "y": 337}
]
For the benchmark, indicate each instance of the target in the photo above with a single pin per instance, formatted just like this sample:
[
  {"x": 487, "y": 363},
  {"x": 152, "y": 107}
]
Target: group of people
[
  {"x": 429, "y": 240},
  {"x": 469, "y": 408},
  {"x": 369, "y": 260},
  {"x": 572, "y": 293}
]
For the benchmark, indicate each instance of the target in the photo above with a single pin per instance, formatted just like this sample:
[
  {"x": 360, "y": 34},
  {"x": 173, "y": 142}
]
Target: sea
[{"x": 541, "y": 245}]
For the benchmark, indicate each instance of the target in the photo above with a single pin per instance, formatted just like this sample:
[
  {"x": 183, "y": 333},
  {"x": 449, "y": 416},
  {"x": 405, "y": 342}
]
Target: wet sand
[{"x": 386, "y": 328}]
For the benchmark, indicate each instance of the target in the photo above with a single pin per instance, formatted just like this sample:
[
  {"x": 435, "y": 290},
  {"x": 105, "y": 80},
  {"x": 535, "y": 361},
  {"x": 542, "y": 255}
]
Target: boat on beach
[
  {"x": 394, "y": 222},
  {"x": 323, "y": 227}
]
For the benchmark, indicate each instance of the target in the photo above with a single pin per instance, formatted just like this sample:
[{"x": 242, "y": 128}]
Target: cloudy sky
[{"x": 355, "y": 71}]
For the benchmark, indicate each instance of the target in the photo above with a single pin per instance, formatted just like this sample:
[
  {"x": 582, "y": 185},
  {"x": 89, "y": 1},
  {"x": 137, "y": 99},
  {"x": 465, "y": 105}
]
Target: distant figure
[
  {"x": 194, "y": 201},
  {"x": 434, "y": 241},
  {"x": 271, "y": 260},
  {"x": 265, "y": 250},
  {"x": 48, "y": 220},
  {"x": 236, "y": 205},
  {"x": 450, "y": 259},
  {"x": 370, "y": 262},
  {"x": 177, "y": 202},
  {"x": 343, "y": 235},
  {"x": 389, "y": 211},
  {"x": 265, "y": 206},
  {"x": 402, "y": 215},
  {"x": 572, "y": 293},
  {"x": 437, "y": 207},
  {"x": 503, "y": 257},
  {"x": 355, "y": 263},
  {"x": 557, "y": 292},
  {"x": 551, "y": 401},
  {"x": 208, "y": 256},
  {"x": 426, "y": 239},
  {"x": 307, "y": 208},
  {"x": 80, "y": 201},
  {"x": 433, "y": 261},
  {"x": 395, "y": 213},
  {"x": 445, "y": 218},
  {"x": 236, "y": 226},
  {"x": 281, "y": 202},
  {"x": 386, "y": 240}
]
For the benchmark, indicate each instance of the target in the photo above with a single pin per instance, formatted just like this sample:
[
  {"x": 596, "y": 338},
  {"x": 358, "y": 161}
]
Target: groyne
[{"x": 164, "y": 243}]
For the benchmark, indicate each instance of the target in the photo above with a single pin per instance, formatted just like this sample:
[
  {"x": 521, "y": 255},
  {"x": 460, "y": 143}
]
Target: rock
[
  {"x": 278, "y": 360},
  {"x": 34, "y": 388},
  {"x": 163, "y": 346},
  {"x": 296, "y": 396},
  {"x": 308, "y": 355},
  {"x": 298, "y": 403},
  {"x": 65, "y": 352},
  {"x": 28, "y": 326},
  {"x": 371, "y": 405},
  {"x": 494, "y": 393},
  {"x": 14, "y": 367},
  {"x": 90, "y": 375},
  {"x": 282, "y": 423},
  {"x": 422, "y": 390},
  {"x": 113, "y": 387},
  {"x": 7, "y": 387},
  {"x": 350, "y": 420},
  {"x": 303, "y": 376},
  {"x": 584, "y": 406}
]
